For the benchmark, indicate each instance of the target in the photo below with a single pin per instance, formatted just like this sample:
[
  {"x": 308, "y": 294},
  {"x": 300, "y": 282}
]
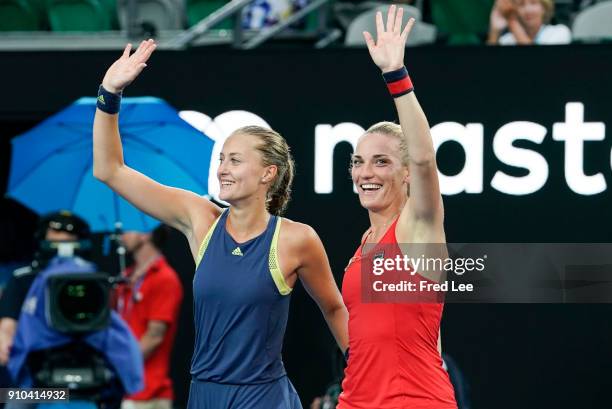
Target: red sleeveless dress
[{"x": 394, "y": 361}]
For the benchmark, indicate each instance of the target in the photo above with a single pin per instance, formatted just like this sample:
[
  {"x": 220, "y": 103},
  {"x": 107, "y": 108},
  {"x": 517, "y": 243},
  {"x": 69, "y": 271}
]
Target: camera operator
[
  {"x": 62, "y": 333},
  {"x": 54, "y": 228}
]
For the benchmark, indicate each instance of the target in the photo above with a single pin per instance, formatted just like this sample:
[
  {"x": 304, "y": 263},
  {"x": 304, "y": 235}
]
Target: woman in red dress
[{"x": 394, "y": 360}]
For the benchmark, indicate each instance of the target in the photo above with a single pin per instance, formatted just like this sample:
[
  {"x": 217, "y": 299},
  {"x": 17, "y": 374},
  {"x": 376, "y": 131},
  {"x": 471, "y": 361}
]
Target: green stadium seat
[
  {"x": 199, "y": 9},
  {"x": 40, "y": 8},
  {"x": 110, "y": 7},
  {"x": 18, "y": 15},
  {"x": 154, "y": 15},
  {"x": 78, "y": 15},
  {"x": 464, "y": 22},
  {"x": 312, "y": 22}
]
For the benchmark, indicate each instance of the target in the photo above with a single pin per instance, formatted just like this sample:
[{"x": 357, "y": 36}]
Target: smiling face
[
  {"x": 378, "y": 172},
  {"x": 241, "y": 172},
  {"x": 532, "y": 13}
]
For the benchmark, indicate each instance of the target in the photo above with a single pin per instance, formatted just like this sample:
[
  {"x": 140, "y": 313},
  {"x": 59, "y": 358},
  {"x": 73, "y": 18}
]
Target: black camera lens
[
  {"x": 78, "y": 302},
  {"x": 81, "y": 301}
]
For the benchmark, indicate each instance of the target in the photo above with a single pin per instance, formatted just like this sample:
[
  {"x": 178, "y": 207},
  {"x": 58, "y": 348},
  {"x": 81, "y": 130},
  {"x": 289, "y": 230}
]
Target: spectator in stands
[
  {"x": 525, "y": 22},
  {"x": 265, "y": 13},
  {"x": 149, "y": 302}
]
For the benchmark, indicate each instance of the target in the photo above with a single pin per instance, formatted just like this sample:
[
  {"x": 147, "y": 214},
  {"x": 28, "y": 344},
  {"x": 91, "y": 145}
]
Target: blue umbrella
[{"x": 51, "y": 166}]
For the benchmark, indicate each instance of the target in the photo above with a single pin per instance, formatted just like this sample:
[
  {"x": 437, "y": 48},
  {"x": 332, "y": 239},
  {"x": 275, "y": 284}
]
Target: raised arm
[
  {"x": 178, "y": 208},
  {"x": 519, "y": 32},
  {"x": 497, "y": 23},
  {"x": 387, "y": 52}
]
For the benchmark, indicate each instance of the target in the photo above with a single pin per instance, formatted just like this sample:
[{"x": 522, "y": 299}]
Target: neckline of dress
[
  {"x": 376, "y": 244},
  {"x": 237, "y": 243}
]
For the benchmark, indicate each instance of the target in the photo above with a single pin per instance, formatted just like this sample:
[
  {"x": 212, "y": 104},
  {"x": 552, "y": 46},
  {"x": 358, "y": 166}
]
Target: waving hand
[
  {"x": 128, "y": 67},
  {"x": 388, "y": 50}
]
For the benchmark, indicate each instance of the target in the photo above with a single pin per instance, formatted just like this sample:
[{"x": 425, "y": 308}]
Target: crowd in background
[
  {"x": 447, "y": 22},
  {"x": 493, "y": 22}
]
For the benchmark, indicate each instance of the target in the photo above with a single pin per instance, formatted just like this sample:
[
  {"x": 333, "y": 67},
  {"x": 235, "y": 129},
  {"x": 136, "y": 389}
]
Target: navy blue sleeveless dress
[{"x": 241, "y": 305}]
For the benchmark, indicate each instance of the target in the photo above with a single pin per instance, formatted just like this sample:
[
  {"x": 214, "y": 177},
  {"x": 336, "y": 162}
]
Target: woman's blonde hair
[
  {"x": 549, "y": 10},
  {"x": 392, "y": 129},
  {"x": 274, "y": 151}
]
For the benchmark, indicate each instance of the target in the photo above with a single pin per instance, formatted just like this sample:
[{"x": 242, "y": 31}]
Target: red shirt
[
  {"x": 394, "y": 361},
  {"x": 157, "y": 296}
]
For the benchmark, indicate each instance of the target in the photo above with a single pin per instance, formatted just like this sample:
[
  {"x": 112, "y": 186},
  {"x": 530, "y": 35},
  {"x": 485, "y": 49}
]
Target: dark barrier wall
[{"x": 528, "y": 356}]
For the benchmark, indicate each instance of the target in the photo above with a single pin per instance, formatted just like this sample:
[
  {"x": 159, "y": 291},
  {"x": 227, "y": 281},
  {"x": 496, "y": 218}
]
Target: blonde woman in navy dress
[{"x": 247, "y": 257}]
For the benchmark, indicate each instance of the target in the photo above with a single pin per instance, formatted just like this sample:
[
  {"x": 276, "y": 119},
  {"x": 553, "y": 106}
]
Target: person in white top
[{"x": 526, "y": 22}]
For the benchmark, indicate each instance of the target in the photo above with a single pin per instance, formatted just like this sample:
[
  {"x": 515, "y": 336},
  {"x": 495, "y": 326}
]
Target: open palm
[
  {"x": 127, "y": 67},
  {"x": 388, "y": 50}
]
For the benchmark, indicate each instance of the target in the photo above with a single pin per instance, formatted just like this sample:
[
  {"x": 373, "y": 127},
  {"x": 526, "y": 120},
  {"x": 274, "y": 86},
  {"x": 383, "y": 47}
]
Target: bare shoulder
[
  {"x": 365, "y": 235},
  {"x": 300, "y": 246},
  {"x": 204, "y": 211},
  {"x": 297, "y": 235}
]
